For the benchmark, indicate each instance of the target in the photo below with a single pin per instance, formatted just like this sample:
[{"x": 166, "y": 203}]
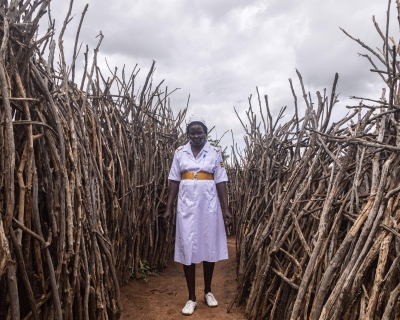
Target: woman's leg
[
  {"x": 208, "y": 268},
  {"x": 190, "y": 274}
]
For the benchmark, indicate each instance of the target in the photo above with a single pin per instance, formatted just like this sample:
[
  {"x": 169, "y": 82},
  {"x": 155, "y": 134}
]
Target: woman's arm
[
  {"x": 223, "y": 198},
  {"x": 173, "y": 191}
]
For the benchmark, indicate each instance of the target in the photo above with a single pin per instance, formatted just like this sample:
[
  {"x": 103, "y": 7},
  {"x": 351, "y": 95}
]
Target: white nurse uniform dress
[{"x": 200, "y": 230}]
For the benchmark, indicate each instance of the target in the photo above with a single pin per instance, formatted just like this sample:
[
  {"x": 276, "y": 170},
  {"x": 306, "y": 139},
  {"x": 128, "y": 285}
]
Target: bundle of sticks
[
  {"x": 83, "y": 175},
  {"x": 318, "y": 206}
]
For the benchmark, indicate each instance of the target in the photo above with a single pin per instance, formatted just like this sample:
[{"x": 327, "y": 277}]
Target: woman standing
[{"x": 199, "y": 178}]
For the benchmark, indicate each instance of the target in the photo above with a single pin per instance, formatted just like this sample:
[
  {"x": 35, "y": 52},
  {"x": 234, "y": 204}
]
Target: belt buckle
[{"x": 195, "y": 176}]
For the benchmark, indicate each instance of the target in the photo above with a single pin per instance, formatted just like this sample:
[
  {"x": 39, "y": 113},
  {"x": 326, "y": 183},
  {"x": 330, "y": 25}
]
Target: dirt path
[{"x": 164, "y": 296}]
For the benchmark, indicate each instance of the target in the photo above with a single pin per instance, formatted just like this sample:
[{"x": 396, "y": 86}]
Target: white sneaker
[
  {"x": 210, "y": 300},
  {"x": 189, "y": 308}
]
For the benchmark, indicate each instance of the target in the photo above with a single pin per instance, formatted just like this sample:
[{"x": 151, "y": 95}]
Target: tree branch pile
[
  {"x": 318, "y": 207},
  {"x": 83, "y": 175}
]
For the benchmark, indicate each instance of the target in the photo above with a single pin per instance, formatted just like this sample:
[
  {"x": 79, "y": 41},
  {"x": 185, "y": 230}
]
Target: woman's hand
[
  {"x": 221, "y": 190},
  {"x": 227, "y": 216},
  {"x": 167, "y": 218},
  {"x": 173, "y": 191}
]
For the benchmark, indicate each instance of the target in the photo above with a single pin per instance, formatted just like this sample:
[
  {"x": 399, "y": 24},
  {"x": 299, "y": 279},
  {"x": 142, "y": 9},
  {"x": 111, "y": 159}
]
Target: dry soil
[{"x": 164, "y": 296}]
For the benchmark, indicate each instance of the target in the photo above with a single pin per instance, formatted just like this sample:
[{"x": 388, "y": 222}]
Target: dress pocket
[
  {"x": 182, "y": 197},
  {"x": 208, "y": 165},
  {"x": 212, "y": 197},
  {"x": 185, "y": 195}
]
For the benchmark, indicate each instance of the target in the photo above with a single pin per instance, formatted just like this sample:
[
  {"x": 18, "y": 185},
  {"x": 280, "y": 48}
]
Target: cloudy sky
[{"x": 220, "y": 50}]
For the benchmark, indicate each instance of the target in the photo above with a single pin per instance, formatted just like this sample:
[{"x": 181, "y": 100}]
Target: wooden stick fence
[
  {"x": 83, "y": 175},
  {"x": 318, "y": 206}
]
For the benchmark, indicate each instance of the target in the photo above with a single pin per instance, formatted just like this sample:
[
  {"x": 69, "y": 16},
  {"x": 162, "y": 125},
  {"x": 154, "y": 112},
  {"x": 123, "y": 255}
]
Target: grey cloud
[
  {"x": 327, "y": 50},
  {"x": 214, "y": 10},
  {"x": 219, "y": 51}
]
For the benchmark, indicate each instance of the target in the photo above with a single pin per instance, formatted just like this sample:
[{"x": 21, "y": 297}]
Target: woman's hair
[{"x": 196, "y": 122}]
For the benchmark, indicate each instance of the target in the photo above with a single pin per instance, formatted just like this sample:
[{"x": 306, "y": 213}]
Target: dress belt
[{"x": 197, "y": 176}]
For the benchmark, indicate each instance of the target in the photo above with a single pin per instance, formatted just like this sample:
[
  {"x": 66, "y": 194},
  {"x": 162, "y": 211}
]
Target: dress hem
[{"x": 197, "y": 262}]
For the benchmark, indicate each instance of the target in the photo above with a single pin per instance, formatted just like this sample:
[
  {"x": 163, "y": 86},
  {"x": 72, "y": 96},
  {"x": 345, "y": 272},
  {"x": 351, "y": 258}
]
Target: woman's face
[{"x": 196, "y": 135}]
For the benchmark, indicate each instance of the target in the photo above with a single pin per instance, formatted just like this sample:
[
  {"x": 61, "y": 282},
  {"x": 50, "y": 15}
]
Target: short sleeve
[
  {"x": 220, "y": 172},
  {"x": 175, "y": 172}
]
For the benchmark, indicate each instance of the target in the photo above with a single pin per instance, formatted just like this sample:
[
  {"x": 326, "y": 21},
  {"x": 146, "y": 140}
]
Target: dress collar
[{"x": 188, "y": 149}]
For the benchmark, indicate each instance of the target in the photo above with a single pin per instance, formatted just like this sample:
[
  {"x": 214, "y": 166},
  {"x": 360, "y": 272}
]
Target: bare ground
[{"x": 164, "y": 296}]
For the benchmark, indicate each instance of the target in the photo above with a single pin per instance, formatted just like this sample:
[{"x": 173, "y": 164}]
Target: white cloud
[{"x": 220, "y": 50}]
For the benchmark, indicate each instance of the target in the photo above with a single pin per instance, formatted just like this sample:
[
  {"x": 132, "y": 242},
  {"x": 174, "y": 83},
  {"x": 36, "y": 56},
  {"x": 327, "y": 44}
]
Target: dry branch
[
  {"x": 89, "y": 173},
  {"x": 317, "y": 208}
]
